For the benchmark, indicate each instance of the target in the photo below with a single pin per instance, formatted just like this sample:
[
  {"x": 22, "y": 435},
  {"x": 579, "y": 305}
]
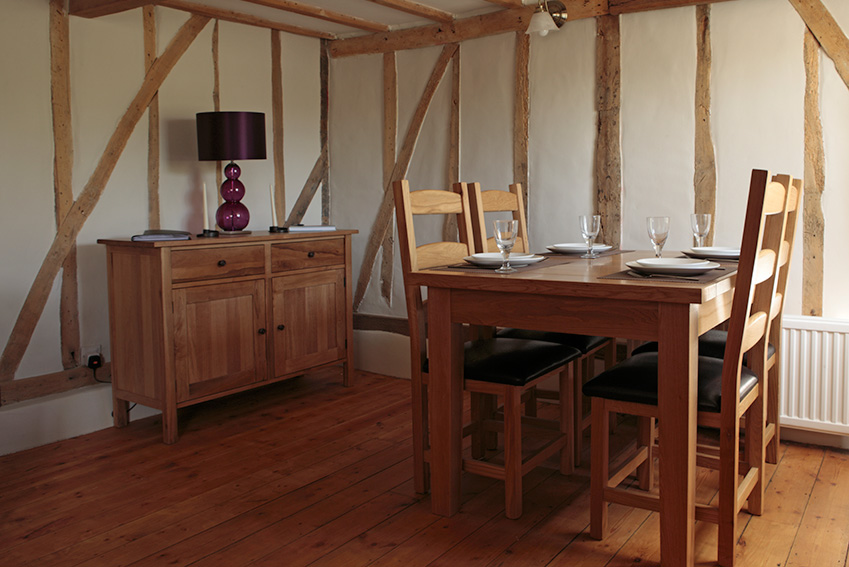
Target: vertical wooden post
[
  {"x": 153, "y": 218},
  {"x": 63, "y": 162},
  {"x": 813, "y": 221},
  {"x": 324, "y": 76},
  {"x": 277, "y": 125},
  {"x": 216, "y": 103},
  {"x": 449, "y": 229},
  {"x": 704, "y": 179},
  {"x": 521, "y": 113},
  {"x": 390, "y": 140},
  {"x": 608, "y": 154}
]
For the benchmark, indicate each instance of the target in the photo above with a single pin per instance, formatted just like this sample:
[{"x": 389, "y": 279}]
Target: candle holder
[{"x": 208, "y": 233}]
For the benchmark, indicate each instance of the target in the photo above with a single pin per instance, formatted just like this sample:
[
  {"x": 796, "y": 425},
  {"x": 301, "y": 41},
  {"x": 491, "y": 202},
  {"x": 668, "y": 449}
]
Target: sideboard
[{"x": 198, "y": 319}]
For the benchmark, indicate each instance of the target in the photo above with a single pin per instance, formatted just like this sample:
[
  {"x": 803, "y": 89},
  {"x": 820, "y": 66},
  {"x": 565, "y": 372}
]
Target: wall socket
[{"x": 87, "y": 352}]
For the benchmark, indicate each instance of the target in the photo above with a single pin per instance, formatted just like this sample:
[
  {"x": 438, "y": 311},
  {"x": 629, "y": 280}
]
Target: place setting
[{"x": 698, "y": 265}]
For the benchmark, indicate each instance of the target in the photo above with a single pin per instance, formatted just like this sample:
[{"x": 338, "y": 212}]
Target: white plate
[
  {"x": 682, "y": 270},
  {"x": 670, "y": 262},
  {"x": 577, "y": 248},
  {"x": 493, "y": 259},
  {"x": 714, "y": 252}
]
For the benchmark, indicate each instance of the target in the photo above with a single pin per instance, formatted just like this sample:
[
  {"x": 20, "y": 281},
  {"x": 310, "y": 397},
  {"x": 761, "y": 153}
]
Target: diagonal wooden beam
[
  {"x": 828, "y": 33},
  {"x": 239, "y": 18},
  {"x": 322, "y": 14},
  {"x": 416, "y": 9},
  {"x": 63, "y": 158},
  {"x": 384, "y": 212},
  {"x": 308, "y": 192},
  {"x": 86, "y": 201}
]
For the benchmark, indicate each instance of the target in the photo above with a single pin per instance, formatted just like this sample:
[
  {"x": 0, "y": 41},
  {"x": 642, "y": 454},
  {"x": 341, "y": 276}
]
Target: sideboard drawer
[
  {"x": 313, "y": 254},
  {"x": 220, "y": 262}
]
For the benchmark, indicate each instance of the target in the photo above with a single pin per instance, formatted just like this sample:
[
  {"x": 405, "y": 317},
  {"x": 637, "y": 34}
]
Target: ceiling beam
[
  {"x": 508, "y": 3},
  {"x": 629, "y": 6},
  {"x": 96, "y": 8},
  {"x": 239, "y": 18},
  {"x": 417, "y": 9},
  {"x": 321, "y": 13}
]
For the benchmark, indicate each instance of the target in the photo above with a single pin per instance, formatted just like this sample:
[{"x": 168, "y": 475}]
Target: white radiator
[{"x": 815, "y": 374}]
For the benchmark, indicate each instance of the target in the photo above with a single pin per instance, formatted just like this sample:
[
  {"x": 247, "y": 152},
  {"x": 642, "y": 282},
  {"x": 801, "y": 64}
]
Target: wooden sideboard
[{"x": 198, "y": 319}]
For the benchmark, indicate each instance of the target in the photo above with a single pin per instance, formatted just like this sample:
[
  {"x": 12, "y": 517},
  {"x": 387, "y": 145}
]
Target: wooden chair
[
  {"x": 591, "y": 347},
  {"x": 713, "y": 342},
  {"x": 492, "y": 367},
  {"x": 727, "y": 389}
]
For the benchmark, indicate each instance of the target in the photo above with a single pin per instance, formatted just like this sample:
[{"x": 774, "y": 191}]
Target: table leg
[
  {"x": 677, "y": 412},
  {"x": 445, "y": 396}
]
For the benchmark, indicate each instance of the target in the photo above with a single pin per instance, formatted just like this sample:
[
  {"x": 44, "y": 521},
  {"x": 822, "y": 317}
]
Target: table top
[{"x": 580, "y": 277}]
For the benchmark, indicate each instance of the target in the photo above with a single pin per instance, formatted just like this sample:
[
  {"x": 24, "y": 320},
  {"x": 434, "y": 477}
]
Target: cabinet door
[
  {"x": 308, "y": 320},
  {"x": 220, "y": 340}
]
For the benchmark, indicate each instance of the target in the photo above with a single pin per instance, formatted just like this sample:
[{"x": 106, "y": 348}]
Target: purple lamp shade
[{"x": 230, "y": 136}]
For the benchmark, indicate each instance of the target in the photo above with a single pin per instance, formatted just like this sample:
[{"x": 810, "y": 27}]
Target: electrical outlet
[
  {"x": 94, "y": 361},
  {"x": 87, "y": 352}
]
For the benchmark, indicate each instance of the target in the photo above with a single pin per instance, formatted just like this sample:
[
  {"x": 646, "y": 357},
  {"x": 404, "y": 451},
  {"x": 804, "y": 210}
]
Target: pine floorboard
[{"x": 308, "y": 473}]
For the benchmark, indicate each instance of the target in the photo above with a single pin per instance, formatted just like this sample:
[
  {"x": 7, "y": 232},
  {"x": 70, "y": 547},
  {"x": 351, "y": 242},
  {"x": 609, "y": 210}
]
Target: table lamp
[{"x": 228, "y": 136}]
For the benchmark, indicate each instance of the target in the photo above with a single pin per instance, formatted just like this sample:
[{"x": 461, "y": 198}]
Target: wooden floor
[{"x": 310, "y": 473}]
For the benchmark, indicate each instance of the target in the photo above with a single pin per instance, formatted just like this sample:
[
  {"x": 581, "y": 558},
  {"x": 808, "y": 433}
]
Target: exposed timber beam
[
  {"x": 704, "y": 177},
  {"x": 608, "y": 152},
  {"x": 828, "y": 33},
  {"x": 813, "y": 219},
  {"x": 239, "y": 18},
  {"x": 507, "y": 3},
  {"x": 322, "y": 14},
  {"x": 66, "y": 234},
  {"x": 437, "y": 34},
  {"x": 629, "y": 6},
  {"x": 417, "y": 9},
  {"x": 97, "y": 8}
]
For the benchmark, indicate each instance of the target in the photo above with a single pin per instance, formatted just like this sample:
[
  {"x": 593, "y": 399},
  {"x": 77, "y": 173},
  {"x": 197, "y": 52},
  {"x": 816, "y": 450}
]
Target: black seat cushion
[
  {"x": 635, "y": 380},
  {"x": 514, "y": 362},
  {"x": 711, "y": 344},
  {"x": 584, "y": 343}
]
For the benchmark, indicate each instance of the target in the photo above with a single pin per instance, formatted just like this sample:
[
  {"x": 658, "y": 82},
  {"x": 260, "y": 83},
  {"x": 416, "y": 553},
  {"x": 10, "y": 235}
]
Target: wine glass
[
  {"x": 505, "y": 238},
  {"x": 658, "y": 229},
  {"x": 700, "y": 224},
  {"x": 590, "y": 225}
]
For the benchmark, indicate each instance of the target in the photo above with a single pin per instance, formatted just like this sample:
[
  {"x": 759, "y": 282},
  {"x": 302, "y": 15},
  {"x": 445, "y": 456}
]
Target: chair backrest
[
  {"x": 495, "y": 201},
  {"x": 755, "y": 288},
  {"x": 409, "y": 204},
  {"x": 794, "y": 199}
]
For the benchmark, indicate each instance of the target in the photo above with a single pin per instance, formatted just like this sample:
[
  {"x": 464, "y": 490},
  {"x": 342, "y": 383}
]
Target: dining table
[{"x": 600, "y": 296}]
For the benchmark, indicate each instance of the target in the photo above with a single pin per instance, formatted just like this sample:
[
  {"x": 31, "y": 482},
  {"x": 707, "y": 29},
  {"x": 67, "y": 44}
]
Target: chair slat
[
  {"x": 764, "y": 266},
  {"x": 755, "y": 330},
  {"x": 435, "y": 202},
  {"x": 440, "y": 254}
]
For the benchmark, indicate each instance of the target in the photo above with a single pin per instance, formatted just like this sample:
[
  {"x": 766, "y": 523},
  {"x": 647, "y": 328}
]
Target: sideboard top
[{"x": 254, "y": 236}]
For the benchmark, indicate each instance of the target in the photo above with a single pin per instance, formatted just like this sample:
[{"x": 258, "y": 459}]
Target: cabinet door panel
[
  {"x": 308, "y": 320},
  {"x": 220, "y": 341}
]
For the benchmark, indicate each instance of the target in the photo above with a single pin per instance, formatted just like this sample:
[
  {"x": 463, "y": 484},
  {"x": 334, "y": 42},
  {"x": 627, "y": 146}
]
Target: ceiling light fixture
[{"x": 549, "y": 16}]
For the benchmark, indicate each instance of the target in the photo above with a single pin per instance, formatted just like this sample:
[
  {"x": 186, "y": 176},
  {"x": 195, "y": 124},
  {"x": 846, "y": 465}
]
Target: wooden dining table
[{"x": 570, "y": 294}]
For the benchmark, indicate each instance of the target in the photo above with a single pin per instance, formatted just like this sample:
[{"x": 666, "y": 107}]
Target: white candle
[
  {"x": 205, "y": 210},
  {"x": 273, "y": 208}
]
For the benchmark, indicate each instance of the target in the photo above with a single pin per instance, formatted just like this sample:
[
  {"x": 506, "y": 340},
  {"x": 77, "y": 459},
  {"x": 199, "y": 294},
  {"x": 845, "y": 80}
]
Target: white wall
[
  {"x": 107, "y": 67},
  {"x": 758, "y": 89}
]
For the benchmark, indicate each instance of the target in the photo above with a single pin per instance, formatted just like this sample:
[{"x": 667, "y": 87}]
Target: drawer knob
[
  {"x": 261, "y": 331},
  {"x": 222, "y": 263},
  {"x": 310, "y": 254},
  {"x": 281, "y": 327}
]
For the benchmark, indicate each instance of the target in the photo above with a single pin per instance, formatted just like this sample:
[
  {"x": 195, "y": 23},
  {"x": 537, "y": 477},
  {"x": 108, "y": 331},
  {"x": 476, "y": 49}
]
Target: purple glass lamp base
[{"x": 232, "y": 215}]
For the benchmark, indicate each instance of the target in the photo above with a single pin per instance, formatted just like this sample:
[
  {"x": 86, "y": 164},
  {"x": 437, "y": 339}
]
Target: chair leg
[
  {"x": 479, "y": 414},
  {"x": 599, "y": 468},
  {"x": 578, "y": 411},
  {"x": 729, "y": 451},
  {"x": 755, "y": 452},
  {"x": 772, "y": 404},
  {"x": 567, "y": 379},
  {"x": 513, "y": 452},
  {"x": 646, "y": 433}
]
